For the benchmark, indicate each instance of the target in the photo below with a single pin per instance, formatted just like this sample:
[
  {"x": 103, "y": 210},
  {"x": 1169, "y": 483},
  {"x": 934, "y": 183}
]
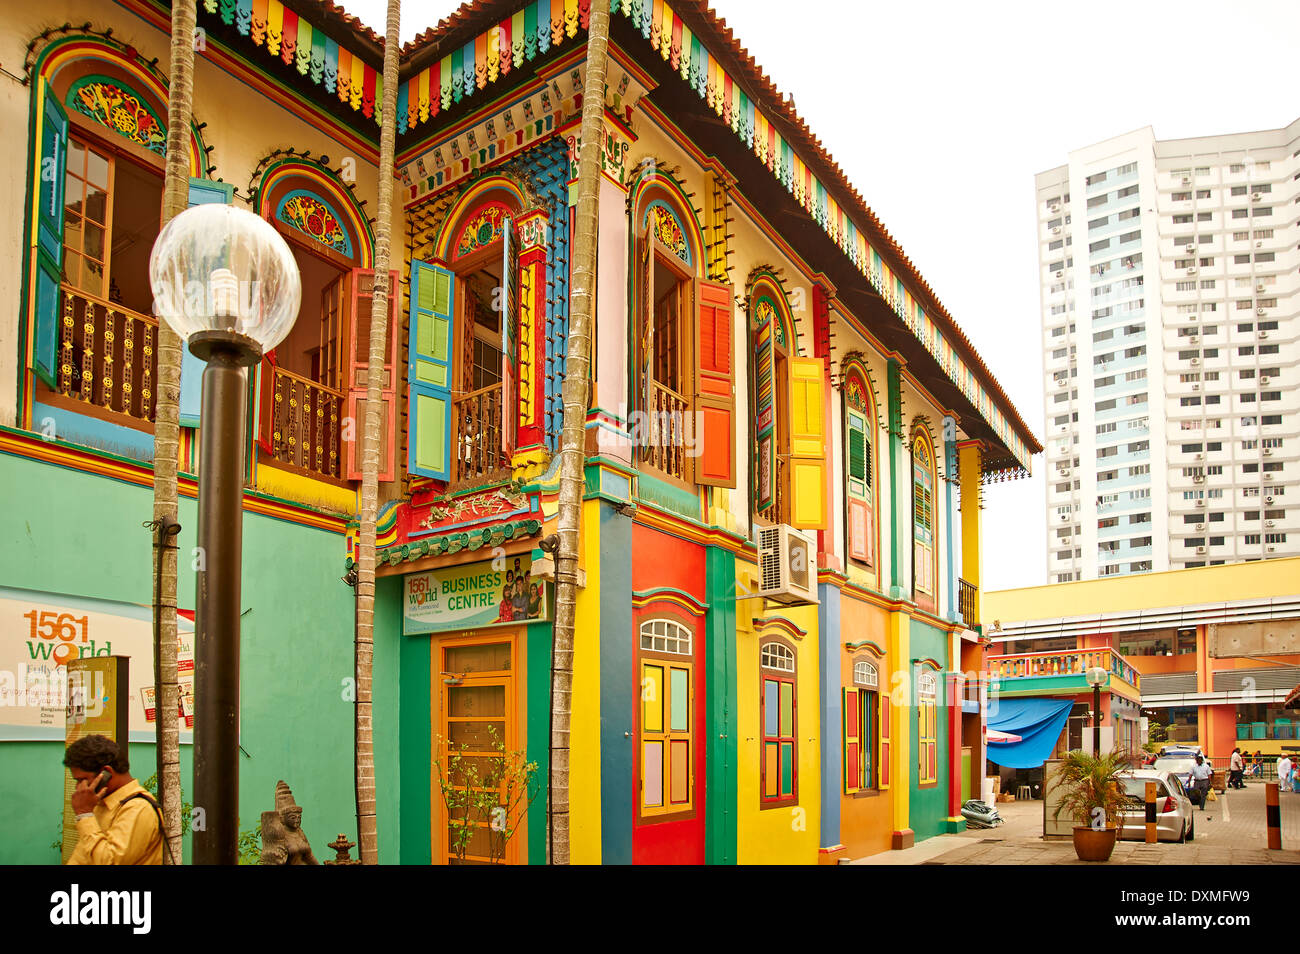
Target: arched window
[
  {"x": 788, "y": 426},
  {"x": 667, "y": 719},
  {"x": 923, "y": 521},
  {"x": 866, "y": 733},
  {"x": 779, "y": 763},
  {"x": 315, "y": 379},
  {"x": 859, "y": 469},
  {"x": 927, "y": 715},
  {"x": 682, "y": 344},
  {"x": 465, "y": 340}
]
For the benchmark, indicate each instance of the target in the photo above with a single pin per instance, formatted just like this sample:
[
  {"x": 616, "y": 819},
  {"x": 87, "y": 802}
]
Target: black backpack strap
[{"x": 153, "y": 803}]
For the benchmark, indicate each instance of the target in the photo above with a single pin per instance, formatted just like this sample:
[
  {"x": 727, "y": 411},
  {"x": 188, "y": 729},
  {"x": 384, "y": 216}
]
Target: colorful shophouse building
[{"x": 764, "y": 356}]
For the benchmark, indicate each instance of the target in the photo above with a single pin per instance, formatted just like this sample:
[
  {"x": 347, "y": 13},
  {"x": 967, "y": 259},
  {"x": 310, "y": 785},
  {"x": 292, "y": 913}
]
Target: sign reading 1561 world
[{"x": 491, "y": 593}]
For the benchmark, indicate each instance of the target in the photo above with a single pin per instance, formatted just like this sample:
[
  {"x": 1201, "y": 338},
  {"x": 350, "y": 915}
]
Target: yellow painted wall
[
  {"x": 1211, "y": 584},
  {"x": 788, "y": 834},
  {"x": 584, "y": 729}
]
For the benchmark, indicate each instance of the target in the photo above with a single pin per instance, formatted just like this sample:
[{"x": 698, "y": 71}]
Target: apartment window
[
  {"x": 1127, "y": 191},
  {"x": 1241, "y": 236},
  {"x": 779, "y": 767},
  {"x": 1099, "y": 246},
  {"x": 1251, "y": 539},
  {"x": 1246, "y": 351},
  {"x": 1184, "y": 286},
  {"x": 859, "y": 468},
  {"x": 1202, "y": 193},
  {"x": 1271, "y": 419},
  {"x": 1263, "y": 233},
  {"x": 927, "y": 714},
  {"x": 922, "y": 514},
  {"x": 1262, "y": 212},
  {"x": 1268, "y": 349},
  {"x": 1275, "y": 538},
  {"x": 1207, "y": 282},
  {"x": 1182, "y": 219},
  {"x": 1263, "y": 257},
  {"x": 1098, "y": 200},
  {"x": 861, "y": 705},
  {"x": 1270, "y": 395},
  {"x": 1181, "y": 197},
  {"x": 667, "y": 718},
  {"x": 1238, "y": 190},
  {"x": 1095, "y": 178},
  {"x": 1240, "y": 213}
]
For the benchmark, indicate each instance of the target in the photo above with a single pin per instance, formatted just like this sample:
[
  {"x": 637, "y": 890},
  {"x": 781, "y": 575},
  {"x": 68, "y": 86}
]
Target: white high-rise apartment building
[{"x": 1170, "y": 276}]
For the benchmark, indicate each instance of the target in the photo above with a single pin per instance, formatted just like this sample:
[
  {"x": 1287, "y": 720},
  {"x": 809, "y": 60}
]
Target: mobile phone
[{"x": 101, "y": 781}]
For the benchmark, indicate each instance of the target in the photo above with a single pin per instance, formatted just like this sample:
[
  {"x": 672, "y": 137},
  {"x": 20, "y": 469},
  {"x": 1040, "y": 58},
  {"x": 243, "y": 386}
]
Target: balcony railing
[
  {"x": 775, "y": 513},
  {"x": 1070, "y": 662},
  {"x": 968, "y": 602},
  {"x": 669, "y": 438},
  {"x": 306, "y": 424},
  {"x": 107, "y": 355},
  {"x": 476, "y": 423}
]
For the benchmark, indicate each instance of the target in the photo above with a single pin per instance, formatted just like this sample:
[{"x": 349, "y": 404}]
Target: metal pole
[
  {"x": 1096, "y": 721},
  {"x": 217, "y": 586}
]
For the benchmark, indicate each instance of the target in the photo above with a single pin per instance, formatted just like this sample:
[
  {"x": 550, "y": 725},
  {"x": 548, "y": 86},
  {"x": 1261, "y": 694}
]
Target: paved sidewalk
[{"x": 1231, "y": 831}]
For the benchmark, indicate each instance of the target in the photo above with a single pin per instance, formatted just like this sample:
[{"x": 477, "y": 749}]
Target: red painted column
[
  {"x": 532, "y": 259},
  {"x": 955, "y": 687}
]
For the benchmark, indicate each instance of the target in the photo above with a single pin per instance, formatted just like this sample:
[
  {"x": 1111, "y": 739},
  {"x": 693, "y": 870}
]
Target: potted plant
[{"x": 1093, "y": 796}]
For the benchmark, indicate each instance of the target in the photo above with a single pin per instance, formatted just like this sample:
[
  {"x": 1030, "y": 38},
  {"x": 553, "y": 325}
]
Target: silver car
[{"x": 1174, "y": 818}]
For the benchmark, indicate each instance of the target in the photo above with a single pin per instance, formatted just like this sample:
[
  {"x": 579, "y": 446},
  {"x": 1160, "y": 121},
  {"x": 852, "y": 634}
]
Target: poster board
[
  {"x": 498, "y": 592},
  {"x": 97, "y": 691},
  {"x": 41, "y": 633}
]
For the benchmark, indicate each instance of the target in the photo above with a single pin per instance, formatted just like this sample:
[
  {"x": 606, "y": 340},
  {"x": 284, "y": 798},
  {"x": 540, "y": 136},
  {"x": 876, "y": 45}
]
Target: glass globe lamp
[{"x": 222, "y": 273}]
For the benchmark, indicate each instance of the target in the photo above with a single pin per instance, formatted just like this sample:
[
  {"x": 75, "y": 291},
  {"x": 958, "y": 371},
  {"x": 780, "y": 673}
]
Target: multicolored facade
[{"x": 764, "y": 355}]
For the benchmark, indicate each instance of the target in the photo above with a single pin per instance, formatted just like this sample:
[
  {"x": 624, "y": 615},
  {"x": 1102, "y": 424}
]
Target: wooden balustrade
[
  {"x": 968, "y": 602},
  {"x": 1068, "y": 662},
  {"x": 306, "y": 427},
  {"x": 775, "y": 512},
  {"x": 476, "y": 424},
  {"x": 107, "y": 355},
  {"x": 669, "y": 436}
]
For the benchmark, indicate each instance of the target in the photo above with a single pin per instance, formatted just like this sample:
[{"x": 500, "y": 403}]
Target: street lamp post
[
  {"x": 1096, "y": 678},
  {"x": 227, "y": 283}
]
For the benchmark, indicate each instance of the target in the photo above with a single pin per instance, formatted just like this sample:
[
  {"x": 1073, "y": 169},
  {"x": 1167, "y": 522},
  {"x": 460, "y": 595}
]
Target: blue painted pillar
[
  {"x": 617, "y": 686},
  {"x": 830, "y": 639},
  {"x": 950, "y": 490}
]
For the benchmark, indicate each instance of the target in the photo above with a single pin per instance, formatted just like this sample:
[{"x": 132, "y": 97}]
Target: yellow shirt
[{"x": 119, "y": 834}]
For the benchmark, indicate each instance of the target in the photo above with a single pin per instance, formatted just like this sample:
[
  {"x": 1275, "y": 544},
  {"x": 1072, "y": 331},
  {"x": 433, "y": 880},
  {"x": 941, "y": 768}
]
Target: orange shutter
[{"x": 715, "y": 387}]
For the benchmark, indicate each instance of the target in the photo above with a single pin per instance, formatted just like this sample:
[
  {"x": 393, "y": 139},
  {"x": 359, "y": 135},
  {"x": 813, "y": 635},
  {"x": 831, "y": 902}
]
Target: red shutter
[
  {"x": 266, "y": 403},
  {"x": 357, "y": 369},
  {"x": 859, "y": 530},
  {"x": 715, "y": 387}
]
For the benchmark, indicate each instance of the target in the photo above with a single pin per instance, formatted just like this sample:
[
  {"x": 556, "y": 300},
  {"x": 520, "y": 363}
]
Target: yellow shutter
[{"x": 807, "y": 444}]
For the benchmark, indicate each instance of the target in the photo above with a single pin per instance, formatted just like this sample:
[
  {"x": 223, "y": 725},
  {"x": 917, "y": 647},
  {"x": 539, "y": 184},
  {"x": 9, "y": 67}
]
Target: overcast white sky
[{"x": 940, "y": 113}]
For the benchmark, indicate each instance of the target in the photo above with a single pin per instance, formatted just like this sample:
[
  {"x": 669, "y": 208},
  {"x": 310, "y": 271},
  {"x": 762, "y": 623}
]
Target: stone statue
[{"x": 283, "y": 841}]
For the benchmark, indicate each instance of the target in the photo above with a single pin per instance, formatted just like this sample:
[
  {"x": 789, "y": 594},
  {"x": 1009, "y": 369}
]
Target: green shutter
[
  {"x": 429, "y": 372},
  {"x": 48, "y": 237},
  {"x": 857, "y": 448},
  {"x": 202, "y": 192}
]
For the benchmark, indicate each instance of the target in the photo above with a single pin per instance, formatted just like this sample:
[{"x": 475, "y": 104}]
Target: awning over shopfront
[
  {"x": 1038, "y": 723},
  {"x": 1292, "y": 699}
]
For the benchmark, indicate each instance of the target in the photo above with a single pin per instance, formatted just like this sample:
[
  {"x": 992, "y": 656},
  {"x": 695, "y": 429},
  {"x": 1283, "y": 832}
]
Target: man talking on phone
[{"x": 118, "y": 821}]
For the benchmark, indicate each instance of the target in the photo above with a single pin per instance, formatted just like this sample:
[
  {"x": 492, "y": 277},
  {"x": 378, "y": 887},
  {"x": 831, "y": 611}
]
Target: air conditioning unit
[
  {"x": 1187, "y": 180},
  {"x": 1056, "y": 230},
  {"x": 1200, "y": 526},
  {"x": 1260, "y": 287},
  {"x": 1196, "y": 387},
  {"x": 1200, "y": 503},
  {"x": 1269, "y": 523},
  {"x": 787, "y": 566},
  {"x": 1262, "y": 334},
  {"x": 1268, "y": 500},
  {"x": 1194, "y": 339},
  {"x": 1064, "y": 517},
  {"x": 1191, "y": 270},
  {"x": 1255, "y": 196},
  {"x": 1200, "y": 457},
  {"x": 1268, "y": 452},
  {"x": 1261, "y": 311},
  {"x": 1058, "y": 274},
  {"x": 1271, "y": 548},
  {"x": 1200, "y": 549},
  {"x": 1264, "y": 379},
  {"x": 1268, "y": 476},
  {"x": 1259, "y": 244},
  {"x": 1195, "y": 362},
  {"x": 1068, "y": 539},
  {"x": 1054, "y": 208},
  {"x": 1198, "y": 479}
]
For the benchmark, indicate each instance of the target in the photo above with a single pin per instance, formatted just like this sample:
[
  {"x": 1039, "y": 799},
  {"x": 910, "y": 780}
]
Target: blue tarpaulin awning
[{"x": 1038, "y": 722}]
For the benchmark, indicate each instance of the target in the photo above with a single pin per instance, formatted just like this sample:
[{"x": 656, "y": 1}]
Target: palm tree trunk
[
  {"x": 573, "y": 434},
  {"x": 368, "y": 847},
  {"x": 166, "y": 442}
]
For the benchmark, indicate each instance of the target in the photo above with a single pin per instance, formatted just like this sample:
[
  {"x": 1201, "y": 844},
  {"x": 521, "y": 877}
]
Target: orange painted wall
[
  {"x": 1158, "y": 665},
  {"x": 865, "y": 819}
]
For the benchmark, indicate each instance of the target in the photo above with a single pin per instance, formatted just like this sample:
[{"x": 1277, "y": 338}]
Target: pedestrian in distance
[
  {"x": 1201, "y": 773},
  {"x": 1236, "y": 768},
  {"x": 118, "y": 822},
  {"x": 1284, "y": 770}
]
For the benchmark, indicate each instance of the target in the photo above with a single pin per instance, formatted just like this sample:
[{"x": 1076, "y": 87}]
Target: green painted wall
[
  {"x": 720, "y": 756},
  {"x": 539, "y": 733},
  {"x": 386, "y": 720},
  {"x": 69, "y": 532},
  {"x": 929, "y": 805}
]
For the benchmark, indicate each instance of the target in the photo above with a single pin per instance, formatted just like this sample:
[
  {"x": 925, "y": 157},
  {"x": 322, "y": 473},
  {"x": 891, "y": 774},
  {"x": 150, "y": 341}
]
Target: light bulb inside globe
[{"x": 219, "y": 268}]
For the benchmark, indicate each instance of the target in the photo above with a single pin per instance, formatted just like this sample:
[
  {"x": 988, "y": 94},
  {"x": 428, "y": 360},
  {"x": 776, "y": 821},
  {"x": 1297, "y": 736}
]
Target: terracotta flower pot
[{"x": 1094, "y": 844}]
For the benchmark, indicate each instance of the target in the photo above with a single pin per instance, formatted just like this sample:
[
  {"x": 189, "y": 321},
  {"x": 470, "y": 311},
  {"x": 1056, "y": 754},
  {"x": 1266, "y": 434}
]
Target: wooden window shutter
[
  {"x": 358, "y": 299},
  {"x": 852, "y": 741},
  {"x": 202, "y": 192},
  {"x": 884, "y": 740},
  {"x": 807, "y": 444},
  {"x": 765, "y": 450},
  {"x": 47, "y": 235},
  {"x": 429, "y": 372},
  {"x": 509, "y": 336},
  {"x": 715, "y": 387}
]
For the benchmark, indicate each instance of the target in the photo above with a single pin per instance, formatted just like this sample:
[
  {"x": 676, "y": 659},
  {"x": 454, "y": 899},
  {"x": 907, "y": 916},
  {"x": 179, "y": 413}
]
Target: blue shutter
[
  {"x": 202, "y": 192},
  {"x": 429, "y": 373},
  {"x": 48, "y": 237}
]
